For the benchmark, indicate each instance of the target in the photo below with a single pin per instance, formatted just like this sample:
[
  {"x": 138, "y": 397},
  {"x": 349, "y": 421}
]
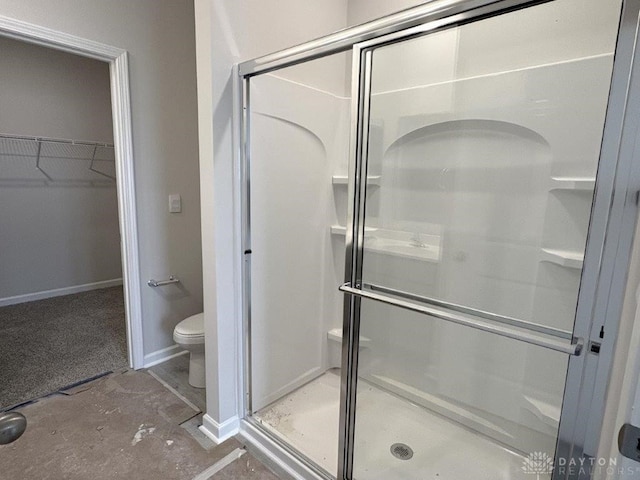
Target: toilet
[{"x": 189, "y": 334}]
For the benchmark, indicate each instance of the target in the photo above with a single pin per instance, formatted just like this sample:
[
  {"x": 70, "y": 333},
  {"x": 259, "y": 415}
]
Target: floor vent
[{"x": 401, "y": 451}]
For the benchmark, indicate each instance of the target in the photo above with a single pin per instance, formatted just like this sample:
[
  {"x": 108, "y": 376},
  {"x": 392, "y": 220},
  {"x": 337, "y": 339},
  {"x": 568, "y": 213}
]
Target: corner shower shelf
[
  {"x": 573, "y": 183},
  {"x": 564, "y": 258},
  {"x": 341, "y": 230},
  {"x": 335, "y": 334},
  {"x": 372, "y": 180},
  {"x": 429, "y": 253},
  {"x": 396, "y": 247}
]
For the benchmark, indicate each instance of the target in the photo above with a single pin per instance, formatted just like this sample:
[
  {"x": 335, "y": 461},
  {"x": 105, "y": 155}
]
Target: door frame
[
  {"x": 117, "y": 59},
  {"x": 615, "y": 211}
]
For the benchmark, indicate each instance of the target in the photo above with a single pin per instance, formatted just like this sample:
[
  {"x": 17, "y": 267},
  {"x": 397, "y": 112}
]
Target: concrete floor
[
  {"x": 175, "y": 372},
  {"x": 126, "y": 425}
]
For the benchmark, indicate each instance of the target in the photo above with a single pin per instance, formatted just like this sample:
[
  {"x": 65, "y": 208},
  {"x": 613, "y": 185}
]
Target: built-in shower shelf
[
  {"x": 573, "y": 183},
  {"x": 429, "y": 253},
  {"x": 547, "y": 413},
  {"x": 335, "y": 334},
  {"x": 372, "y": 180},
  {"x": 342, "y": 230},
  {"x": 564, "y": 258}
]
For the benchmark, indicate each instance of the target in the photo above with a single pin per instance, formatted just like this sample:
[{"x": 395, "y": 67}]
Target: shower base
[{"x": 308, "y": 417}]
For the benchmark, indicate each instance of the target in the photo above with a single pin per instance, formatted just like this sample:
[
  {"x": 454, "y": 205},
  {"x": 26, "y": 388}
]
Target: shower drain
[{"x": 401, "y": 451}]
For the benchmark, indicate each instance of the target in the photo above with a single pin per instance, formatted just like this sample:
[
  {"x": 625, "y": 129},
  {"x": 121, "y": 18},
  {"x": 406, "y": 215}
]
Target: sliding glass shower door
[
  {"x": 486, "y": 211},
  {"x": 477, "y": 156}
]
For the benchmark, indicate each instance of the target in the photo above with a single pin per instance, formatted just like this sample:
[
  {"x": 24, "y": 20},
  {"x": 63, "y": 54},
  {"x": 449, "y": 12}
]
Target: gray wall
[
  {"x": 45, "y": 92},
  {"x": 159, "y": 36},
  {"x": 63, "y": 234}
]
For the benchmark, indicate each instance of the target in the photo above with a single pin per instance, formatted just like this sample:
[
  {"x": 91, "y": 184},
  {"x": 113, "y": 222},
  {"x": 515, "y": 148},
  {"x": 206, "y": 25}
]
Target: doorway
[
  {"x": 61, "y": 299},
  {"x": 121, "y": 151}
]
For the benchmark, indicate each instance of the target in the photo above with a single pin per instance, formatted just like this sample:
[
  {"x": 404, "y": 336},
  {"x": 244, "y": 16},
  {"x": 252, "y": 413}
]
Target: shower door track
[{"x": 611, "y": 232}]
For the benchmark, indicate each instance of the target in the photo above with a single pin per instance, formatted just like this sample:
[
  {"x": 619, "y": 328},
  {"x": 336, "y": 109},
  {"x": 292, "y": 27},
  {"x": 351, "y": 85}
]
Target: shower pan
[{"x": 435, "y": 239}]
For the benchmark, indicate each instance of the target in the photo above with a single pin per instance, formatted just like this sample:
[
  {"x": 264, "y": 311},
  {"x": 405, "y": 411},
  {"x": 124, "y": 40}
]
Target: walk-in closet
[{"x": 62, "y": 313}]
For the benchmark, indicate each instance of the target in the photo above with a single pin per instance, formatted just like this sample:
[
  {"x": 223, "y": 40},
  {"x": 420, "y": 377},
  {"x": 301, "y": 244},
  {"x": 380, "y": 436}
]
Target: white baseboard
[
  {"x": 282, "y": 461},
  {"x": 219, "y": 432},
  {"x": 58, "y": 292},
  {"x": 160, "y": 356}
]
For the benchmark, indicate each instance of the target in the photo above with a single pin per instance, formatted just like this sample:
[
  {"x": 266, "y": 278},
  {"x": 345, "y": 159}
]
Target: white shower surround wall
[{"x": 296, "y": 146}]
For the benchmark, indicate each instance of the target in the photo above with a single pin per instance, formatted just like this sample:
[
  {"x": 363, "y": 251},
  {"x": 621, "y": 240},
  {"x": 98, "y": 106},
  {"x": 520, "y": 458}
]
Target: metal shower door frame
[{"x": 611, "y": 230}]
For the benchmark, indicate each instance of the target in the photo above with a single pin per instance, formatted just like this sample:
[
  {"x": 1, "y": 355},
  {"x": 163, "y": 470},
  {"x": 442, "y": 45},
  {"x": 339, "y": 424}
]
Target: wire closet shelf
[{"x": 47, "y": 161}]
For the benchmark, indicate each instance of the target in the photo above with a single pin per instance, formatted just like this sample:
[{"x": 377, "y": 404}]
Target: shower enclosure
[{"x": 434, "y": 239}]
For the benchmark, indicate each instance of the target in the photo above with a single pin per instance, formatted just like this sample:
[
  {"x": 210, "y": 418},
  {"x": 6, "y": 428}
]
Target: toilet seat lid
[{"x": 192, "y": 326}]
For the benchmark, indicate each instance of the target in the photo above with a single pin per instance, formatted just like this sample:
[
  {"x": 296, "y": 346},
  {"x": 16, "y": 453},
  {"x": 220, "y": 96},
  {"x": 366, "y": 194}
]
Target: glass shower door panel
[
  {"x": 483, "y": 147},
  {"x": 299, "y": 132},
  {"x": 482, "y": 159},
  {"x": 439, "y": 400}
]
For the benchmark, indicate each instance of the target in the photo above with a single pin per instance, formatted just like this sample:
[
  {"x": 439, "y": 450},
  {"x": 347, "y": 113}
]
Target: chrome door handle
[{"x": 521, "y": 334}]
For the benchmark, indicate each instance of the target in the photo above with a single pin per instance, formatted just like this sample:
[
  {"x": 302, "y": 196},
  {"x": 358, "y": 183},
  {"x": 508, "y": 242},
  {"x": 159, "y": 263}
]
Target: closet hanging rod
[{"x": 56, "y": 140}]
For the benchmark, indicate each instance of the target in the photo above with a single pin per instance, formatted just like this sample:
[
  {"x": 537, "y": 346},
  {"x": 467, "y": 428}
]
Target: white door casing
[{"x": 123, "y": 142}]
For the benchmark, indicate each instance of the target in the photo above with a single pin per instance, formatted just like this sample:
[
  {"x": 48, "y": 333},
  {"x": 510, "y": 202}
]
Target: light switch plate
[{"x": 175, "y": 204}]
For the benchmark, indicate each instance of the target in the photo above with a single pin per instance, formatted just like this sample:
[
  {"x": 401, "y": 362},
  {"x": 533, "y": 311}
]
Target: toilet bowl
[{"x": 189, "y": 334}]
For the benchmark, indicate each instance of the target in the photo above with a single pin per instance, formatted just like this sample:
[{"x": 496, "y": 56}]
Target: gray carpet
[{"x": 52, "y": 343}]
